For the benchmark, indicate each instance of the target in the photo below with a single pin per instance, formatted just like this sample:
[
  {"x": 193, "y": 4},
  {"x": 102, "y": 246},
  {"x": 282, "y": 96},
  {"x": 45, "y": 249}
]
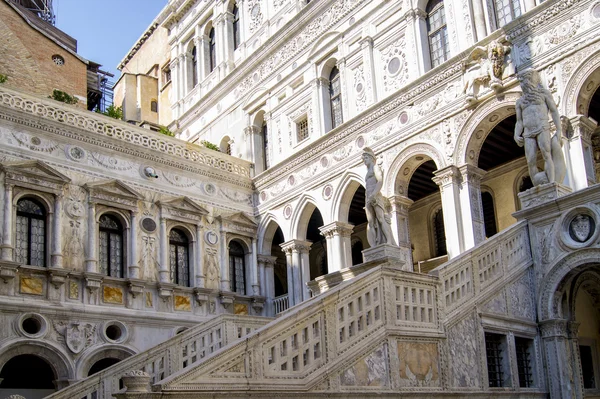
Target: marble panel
[
  {"x": 419, "y": 364},
  {"x": 370, "y": 371},
  {"x": 183, "y": 303},
  {"x": 32, "y": 285},
  {"x": 112, "y": 295}
]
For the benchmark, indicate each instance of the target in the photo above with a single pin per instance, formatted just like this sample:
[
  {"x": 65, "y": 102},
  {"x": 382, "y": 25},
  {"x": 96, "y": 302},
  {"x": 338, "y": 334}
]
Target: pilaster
[
  {"x": 7, "y": 238},
  {"x": 580, "y": 153},
  {"x": 471, "y": 208},
  {"x": 448, "y": 179},
  {"x": 400, "y": 226}
]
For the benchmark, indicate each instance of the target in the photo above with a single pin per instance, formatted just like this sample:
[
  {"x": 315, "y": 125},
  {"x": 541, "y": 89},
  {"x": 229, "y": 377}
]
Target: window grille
[
  {"x": 302, "y": 129},
  {"x": 111, "y": 246},
  {"x": 237, "y": 269},
  {"x": 506, "y": 11},
  {"x": 524, "y": 363},
  {"x": 494, "y": 354},
  {"x": 437, "y": 32},
  {"x": 30, "y": 243},
  {"x": 179, "y": 257},
  {"x": 335, "y": 97}
]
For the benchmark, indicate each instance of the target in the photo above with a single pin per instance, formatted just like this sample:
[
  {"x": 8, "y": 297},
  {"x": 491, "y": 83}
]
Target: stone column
[
  {"x": 400, "y": 226},
  {"x": 289, "y": 260},
  {"x": 224, "y": 259},
  {"x": 562, "y": 359},
  {"x": 198, "y": 44},
  {"x": 296, "y": 252},
  {"x": 479, "y": 19},
  {"x": 341, "y": 64},
  {"x": 203, "y": 55},
  {"x": 321, "y": 114},
  {"x": 254, "y": 152},
  {"x": 303, "y": 249},
  {"x": 184, "y": 60},
  {"x": 339, "y": 249},
  {"x": 255, "y": 272},
  {"x": 56, "y": 255},
  {"x": 448, "y": 179},
  {"x": 267, "y": 281},
  {"x": 164, "y": 267},
  {"x": 134, "y": 268},
  {"x": 198, "y": 259},
  {"x": 471, "y": 208},
  {"x": 579, "y": 153},
  {"x": 91, "y": 265},
  {"x": 367, "y": 52},
  {"x": 228, "y": 49},
  {"x": 7, "y": 238},
  {"x": 221, "y": 41}
]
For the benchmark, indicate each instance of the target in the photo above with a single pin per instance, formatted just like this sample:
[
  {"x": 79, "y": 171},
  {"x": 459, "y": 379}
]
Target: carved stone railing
[
  {"x": 477, "y": 270},
  {"x": 281, "y": 303},
  {"x": 314, "y": 339},
  {"x": 119, "y": 130},
  {"x": 167, "y": 358}
]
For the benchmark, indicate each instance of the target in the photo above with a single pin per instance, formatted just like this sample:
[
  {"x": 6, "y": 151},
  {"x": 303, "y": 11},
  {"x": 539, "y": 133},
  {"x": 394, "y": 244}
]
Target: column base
[
  {"x": 8, "y": 270},
  {"x": 541, "y": 194}
]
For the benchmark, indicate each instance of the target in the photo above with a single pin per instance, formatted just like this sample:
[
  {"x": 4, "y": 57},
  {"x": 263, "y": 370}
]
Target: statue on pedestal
[
  {"x": 377, "y": 207},
  {"x": 533, "y": 130}
]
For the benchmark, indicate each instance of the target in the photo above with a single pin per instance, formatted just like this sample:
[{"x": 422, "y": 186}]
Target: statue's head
[
  {"x": 529, "y": 79},
  {"x": 368, "y": 155}
]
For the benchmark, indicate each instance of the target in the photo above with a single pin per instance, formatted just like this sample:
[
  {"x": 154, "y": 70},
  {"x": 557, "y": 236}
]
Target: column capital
[
  {"x": 252, "y": 129},
  {"x": 471, "y": 173},
  {"x": 446, "y": 176},
  {"x": 337, "y": 228},
  {"x": 296, "y": 246},
  {"x": 583, "y": 127},
  {"x": 555, "y": 328},
  {"x": 268, "y": 260},
  {"x": 400, "y": 202},
  {"x": 321, "y": 82},
  {"x": 366, "y": 41}
]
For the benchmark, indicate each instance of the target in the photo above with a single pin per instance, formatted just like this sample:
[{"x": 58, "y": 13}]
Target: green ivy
[
  {"x": 63, "y": 97},
  {"x": 3, "y": 78},
  {"x": 166, "y": 131},
  {"x": 210, "y": 145},
  {"x": 112, "y": 111}
]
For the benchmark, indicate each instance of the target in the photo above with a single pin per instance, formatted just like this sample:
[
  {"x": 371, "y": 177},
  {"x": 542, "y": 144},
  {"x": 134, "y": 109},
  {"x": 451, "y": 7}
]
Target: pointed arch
[
  {"x": 580, "y": 88},
  {"x": 342, "y": 198},
  {"x": 473, "y": 133},
  {"x": 406, "y": 162},
  {"x": 266, "y": 232},
  {"x": 300, "y": 218}
]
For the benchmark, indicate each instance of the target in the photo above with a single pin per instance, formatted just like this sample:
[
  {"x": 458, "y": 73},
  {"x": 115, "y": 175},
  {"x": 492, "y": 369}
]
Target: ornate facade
[{"x": 116, "y": 238}]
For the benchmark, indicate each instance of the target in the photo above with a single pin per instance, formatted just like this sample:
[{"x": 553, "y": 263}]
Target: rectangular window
[
  {"x": 166, "y": 74},
  {"x": 524, "y": 350},
  {"x": 302, "y": 129},
  {"x": 496, "y": 359},
  {"x": 506, "y": 11},
  {"x": 587, "y": 366}
]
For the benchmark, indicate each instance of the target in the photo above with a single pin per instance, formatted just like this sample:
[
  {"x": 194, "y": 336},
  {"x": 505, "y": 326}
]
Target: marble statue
[
  {"x": 377, "y": 207},
  {"x": 484, "y": 65},
  {"x": 533, "y": 130}
]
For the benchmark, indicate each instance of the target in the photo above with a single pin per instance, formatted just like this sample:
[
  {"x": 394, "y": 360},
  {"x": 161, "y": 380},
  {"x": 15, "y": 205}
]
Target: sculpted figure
[
  {"x": 484, "y": 65},
  {"x": 533, "y": 130},
  {"x": 377, "y": 207}
]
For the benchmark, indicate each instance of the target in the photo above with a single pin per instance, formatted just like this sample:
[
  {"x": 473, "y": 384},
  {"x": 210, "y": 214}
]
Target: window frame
[
  {"x": 335, "y": 80},
  {"x": 233, "y": 277},
  {"x": 237, "y": 32},
  {"x": 176, "y": 278},
  {"x": 212, "y": 50},
  {"x": 29, "y": 217},
  {"x": 303, "y": 118},
  {"x": 121, "y": 232},
  {"x": 442, "y": 30}
]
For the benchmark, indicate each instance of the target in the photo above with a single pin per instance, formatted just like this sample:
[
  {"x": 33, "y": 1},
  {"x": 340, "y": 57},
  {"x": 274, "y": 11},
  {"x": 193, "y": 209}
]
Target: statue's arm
[
  {"x": 519, "y": 126},
  {"x": 554, "y": 113},
  {"x": 379, "y": 177}
]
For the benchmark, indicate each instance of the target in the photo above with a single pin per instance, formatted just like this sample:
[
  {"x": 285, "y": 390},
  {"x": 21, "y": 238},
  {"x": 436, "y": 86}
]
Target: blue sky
[{"x": 106, "y": 29}]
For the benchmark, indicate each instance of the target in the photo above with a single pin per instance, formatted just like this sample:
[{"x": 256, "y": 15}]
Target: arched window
[
  {"x": 236, "y": 26},
  {"x": 30, "y": 245},
  {"x": 439, "y": 234},
  {"x": 506, "y": 11},
  {"x": 154, "y": 106},
  {"x": 179, "y": 257},
  {"x": 111, "y": 246},
  {"x": 335, "y": 98},
  {"x": 212, "y": 50},
  {"x": 194, "y": 67},
  {"x": 265, "y": 136},
  {"x": 437, "y": 32},
  {"x": 237, "y": 268}
]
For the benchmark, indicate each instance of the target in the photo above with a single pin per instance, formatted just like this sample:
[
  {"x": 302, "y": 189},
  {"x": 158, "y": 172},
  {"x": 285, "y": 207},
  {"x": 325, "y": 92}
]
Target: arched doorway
[
  {"x": 27, "y": 375},
  {"x": 358, "y": 218}
]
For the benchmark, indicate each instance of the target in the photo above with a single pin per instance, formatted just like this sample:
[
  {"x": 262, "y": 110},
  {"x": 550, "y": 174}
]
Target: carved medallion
[
  {"x": 327, "y": 192},
  {"x": 79, "y": 336},
  {"x": 581, "y": 228},
  {"x": 287, "y": 211},
  {"x": 211, "y": 237},
  {"x": 148, "y": 225}
]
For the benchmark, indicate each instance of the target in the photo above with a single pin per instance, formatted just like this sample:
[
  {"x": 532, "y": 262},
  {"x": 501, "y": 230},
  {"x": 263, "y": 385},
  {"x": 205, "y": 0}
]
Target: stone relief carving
[
  {"x": 110, "y": 162},
  {"x": 522, "y": 303},
  {"x": 419, "y": 364},
  {"x": 395, "y": 67},
  {"x": 76, "y": 336},
  {"x": 533, "y": 130},
  {"x": 484, "y": 67},
  {"x": 360, "y": 88},
  {"x": 377, "y": 207},
  {"x": 212, "y": 269},
  {"x": 237, "y": 196},
  {"x": 177, "y": 180},
  {"x": 371, "y": 370},
  {"x": 581, "y": 228},
  {"x": 149, "y": 259},
  {"x": 35, "y": 143},
  {"x": 496, "y": 305}
]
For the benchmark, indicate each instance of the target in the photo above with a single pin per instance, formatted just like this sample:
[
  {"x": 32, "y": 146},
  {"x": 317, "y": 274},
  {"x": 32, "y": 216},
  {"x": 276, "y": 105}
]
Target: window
[
  {"x": 237, "y": 268},
  {"x": 179, "y": 257},
  {"x": 335, "y": 98},
  {"x": 439, "y": 234},
  {"x": 302, "y": 129},
  {"x": 495, "y": 355},
  {"x": 524, "y": 348},
  {"x": 212, "y": 50},
  {"x": 111, "y": 246},
  {"x": 489, "y": 214},
  {"x": 166, "y": 75},
  {"x": 587, "y": 366},
  {"x": 194, "y": 66},
  {"x": 265, "y": 136},
  {"x": 154, "y": 106},
  {"x": 437, "y": 32},
  {"x": 58, "y": 60},
  {"x": 506, "y": 11},
  {"x": 30, "y": 245},
  {"x": 236, "y": 26}
]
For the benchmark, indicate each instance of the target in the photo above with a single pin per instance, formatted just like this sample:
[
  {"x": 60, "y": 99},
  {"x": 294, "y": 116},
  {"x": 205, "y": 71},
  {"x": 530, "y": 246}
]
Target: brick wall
[{"x": 27, "y": 59}]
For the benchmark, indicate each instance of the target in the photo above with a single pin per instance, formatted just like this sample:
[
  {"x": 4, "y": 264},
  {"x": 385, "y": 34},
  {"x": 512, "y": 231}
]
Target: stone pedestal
[
  {"x": 541, "y": 194},
  {"x": 385, "y": 252}
]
